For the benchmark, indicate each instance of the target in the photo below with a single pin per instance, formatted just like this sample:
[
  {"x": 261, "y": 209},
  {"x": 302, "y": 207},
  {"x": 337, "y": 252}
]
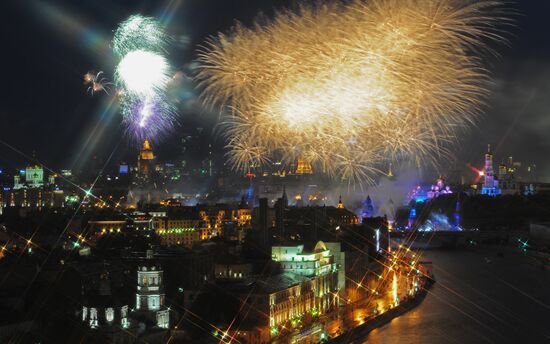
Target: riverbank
[{"x": 358, "y": 334}]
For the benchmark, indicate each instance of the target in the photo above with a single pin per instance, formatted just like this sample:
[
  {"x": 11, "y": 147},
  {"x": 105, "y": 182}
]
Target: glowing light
[
  {"x": 143, "y": 73},
  {"x": 397, "y": 82},
  {"x": 394, "y": 290},
  {"x": 143, "y": 76}
]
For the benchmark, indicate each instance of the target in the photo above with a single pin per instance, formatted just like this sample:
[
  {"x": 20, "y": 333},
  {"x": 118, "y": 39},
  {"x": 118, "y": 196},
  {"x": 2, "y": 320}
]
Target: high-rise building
[
  {"x": 490, "y": 184},
  {"x": 146, "y": 161}
]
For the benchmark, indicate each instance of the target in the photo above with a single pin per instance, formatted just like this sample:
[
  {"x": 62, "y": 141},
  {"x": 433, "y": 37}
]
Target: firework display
[
  {"x": 97, "y": 83},
  {"x": 353, "y": 86},
  {"x": 142, "y": 76},
  {"x": 139, "y": 32}
]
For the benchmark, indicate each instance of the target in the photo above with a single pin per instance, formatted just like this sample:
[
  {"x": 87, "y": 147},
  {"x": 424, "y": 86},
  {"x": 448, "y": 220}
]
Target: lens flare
[{"x": 352, "y": 86}]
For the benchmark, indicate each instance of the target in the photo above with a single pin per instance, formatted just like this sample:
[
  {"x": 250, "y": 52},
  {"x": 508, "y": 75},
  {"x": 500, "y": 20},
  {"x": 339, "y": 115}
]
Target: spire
[
  {"x": 146, "y": 152},
  {"x": 340, "y": 204},
  {"x": 489, "y": 148},
  {"x": 146, "y": 145}
]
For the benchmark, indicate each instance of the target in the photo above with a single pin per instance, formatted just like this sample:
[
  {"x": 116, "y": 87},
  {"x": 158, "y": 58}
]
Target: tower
[
  {"x": 150, "y": 297},
  {"x": 146, "y": 163},
  {"x": 340, "y": 203},
  {"x": 368, "y": 208},
  {"x": 490, "y": 184}
]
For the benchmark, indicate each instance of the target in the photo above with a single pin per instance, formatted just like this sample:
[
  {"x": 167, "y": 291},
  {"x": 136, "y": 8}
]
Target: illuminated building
[
  {"x": 34, "y": 176},
  {"x": 439, "y": 189},
  {"x": 146, "y": 162},
  {"x": 140, "y": 222},
  {"x": 34, "y": 198},
  {"x": 182, "y": 227},
  {"x": 507, "y": 179},
  {"x": 419, "y": 195},
  {"x": 490, "y": 185},
  {"x": 340, "y": 203},
  {"x": 305, "y": 223},
  {"x": 368, "y": 208},
  {"x": 304, "y": 167},
  {"x": 150, "y": 297},
  {"x": 244, "y": 214},
  {"x": 412, "y": 217},
  {"x": 17, "y": 184},
  {"x": 106, "y": 227},
  {"x": 179, "y": 236},
  {"x": 105, "y": 309},
  {"x": 317, "y": 263},
  {"x": 232, "y": 270}
]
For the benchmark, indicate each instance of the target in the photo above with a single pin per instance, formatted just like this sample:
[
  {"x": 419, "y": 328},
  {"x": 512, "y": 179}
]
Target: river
[{"x": 479, "y": 297}]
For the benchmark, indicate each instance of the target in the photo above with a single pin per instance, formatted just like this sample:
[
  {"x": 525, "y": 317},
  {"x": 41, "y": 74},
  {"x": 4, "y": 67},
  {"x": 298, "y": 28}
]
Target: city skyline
[
  {"x": 275, "y": 171},
  {"x": 516, "y": 108}
]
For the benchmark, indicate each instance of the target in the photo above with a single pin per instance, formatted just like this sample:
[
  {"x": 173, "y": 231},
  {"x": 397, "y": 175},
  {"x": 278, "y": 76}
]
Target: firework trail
[{"x": 351, "y": 86}]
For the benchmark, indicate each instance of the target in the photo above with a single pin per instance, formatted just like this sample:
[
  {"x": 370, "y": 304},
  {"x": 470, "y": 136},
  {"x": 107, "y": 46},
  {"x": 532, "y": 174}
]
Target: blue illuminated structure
[
  {"x": 490, "y": 184},
  {"x": 368, "y": 208}
]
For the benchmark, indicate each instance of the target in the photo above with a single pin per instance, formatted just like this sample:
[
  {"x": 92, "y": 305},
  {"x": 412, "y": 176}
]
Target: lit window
[
  {"x": 93, "y": 318},
  {"x": 109, "y": 314}
]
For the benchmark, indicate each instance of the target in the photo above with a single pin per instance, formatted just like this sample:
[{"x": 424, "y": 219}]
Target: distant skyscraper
[
  {"x": 490, "y": 184},
  {"x": 146, "y": 162}
]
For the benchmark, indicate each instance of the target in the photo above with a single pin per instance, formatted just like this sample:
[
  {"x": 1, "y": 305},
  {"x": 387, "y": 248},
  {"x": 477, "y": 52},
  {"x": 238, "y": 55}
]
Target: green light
[
  {"x": 177, "y": 230},
  {"x": 314, "y": 312}
]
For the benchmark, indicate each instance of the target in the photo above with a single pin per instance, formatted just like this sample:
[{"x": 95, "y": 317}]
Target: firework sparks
[
  {"x": 143, "y": 73},
  {"x": 97, "y": 83},
  {"x": 143, "y": 76},
  {"x": 139, "y": 33},
  {"x": 351, "y": 86},
  {"x": 148, "y": 117}
]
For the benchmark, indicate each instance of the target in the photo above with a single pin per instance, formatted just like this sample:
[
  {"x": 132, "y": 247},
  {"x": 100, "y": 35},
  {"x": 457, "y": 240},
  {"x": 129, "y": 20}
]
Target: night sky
[{"x": 47, "y": 46}]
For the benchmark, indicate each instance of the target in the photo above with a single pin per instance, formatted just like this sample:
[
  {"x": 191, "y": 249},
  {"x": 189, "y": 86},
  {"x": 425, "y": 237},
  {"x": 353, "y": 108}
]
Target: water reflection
[{"x": 479, "y": 297}]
